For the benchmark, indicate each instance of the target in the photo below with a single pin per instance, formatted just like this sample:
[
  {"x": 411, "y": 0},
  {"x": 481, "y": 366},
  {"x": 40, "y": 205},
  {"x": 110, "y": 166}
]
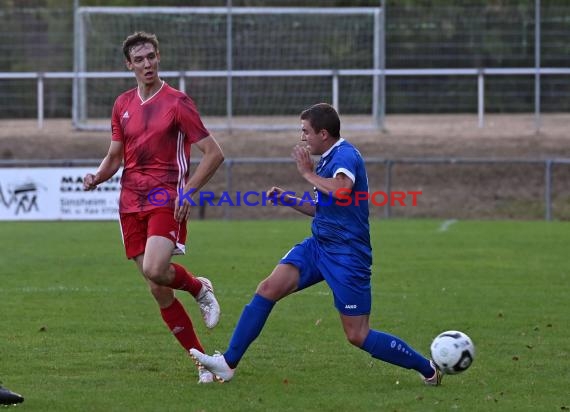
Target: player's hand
[
  {"x": 181, "y": 210},
  {"x": 303, "y": 158},
  {"x": 89, "y": 182},
  {"x": 275, "y": 193}
]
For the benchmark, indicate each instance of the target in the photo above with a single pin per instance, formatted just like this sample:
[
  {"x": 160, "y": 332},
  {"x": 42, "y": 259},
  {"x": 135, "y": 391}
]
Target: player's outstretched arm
[
  {"x": 285, "y": 198},
  {"x": 108, "y": 167},
  {"x": 212, "y": 158}
]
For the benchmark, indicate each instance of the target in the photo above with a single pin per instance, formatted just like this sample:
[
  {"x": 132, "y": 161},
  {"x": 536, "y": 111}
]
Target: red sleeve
[
  {"x": 116, "y": 129},
  {"x": 189, "y": 121}
]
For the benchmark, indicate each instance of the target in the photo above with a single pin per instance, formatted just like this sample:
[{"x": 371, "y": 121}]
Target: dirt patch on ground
[
  {"x": 482, "y": 190},
  {"x": 502, "y": 136}
]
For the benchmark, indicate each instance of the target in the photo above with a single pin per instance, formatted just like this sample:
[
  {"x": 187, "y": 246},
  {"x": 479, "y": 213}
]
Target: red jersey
[{"x": 156, "y": 136}]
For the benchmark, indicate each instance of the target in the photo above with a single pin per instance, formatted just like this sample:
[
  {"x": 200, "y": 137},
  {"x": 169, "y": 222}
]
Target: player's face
[
  {"x": 144, "y": 63},
  {"x": 313, "y": 140}
]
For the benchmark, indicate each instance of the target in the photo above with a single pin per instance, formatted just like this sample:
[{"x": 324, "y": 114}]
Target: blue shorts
[{"x": 347, "y": 277}]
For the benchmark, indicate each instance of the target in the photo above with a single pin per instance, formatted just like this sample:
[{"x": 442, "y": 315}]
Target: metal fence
[
  {"x": 444, "y": 194},
  {"x": 478, "y": 76},
  {"x": 524, "y": 65}
]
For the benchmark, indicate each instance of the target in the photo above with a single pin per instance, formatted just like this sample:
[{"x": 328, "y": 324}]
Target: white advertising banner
[{"x": 56, "y": 194}]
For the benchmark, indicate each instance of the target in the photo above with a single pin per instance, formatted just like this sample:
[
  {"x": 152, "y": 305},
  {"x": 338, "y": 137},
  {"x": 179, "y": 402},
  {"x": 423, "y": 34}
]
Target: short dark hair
[
  {"x": 323, "y": 116},
  {"x": 139, "y": 37}
]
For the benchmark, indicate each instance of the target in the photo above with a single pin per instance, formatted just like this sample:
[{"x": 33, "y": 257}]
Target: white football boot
[
  {"x": 209, "y": 306},
  {"x": 215, "y": 364},
  {"x": 435, "y": 380},
  {"x": 204, "y": 375}
]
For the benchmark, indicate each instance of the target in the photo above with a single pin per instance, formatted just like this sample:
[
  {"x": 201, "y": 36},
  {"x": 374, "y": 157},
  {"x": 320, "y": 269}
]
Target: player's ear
[{"x": 129, "y": 65}]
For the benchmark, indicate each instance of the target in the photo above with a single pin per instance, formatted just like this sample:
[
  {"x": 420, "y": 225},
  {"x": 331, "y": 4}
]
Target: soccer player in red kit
[{"x": 153, "y": 127}]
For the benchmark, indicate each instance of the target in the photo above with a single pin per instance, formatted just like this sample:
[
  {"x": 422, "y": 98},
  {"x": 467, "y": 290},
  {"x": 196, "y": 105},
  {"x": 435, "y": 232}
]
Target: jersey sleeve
[
  {"x": 116, "y": 128},
  {"x": 189, "y": 120},
  {"x": 346, "y": 163}
]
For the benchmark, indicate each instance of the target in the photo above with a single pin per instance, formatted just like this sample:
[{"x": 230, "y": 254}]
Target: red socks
[
  {"x": 180, "y": 325},
  {"x": 175, "y": 316},
  {"x": 183, "y": 280}
]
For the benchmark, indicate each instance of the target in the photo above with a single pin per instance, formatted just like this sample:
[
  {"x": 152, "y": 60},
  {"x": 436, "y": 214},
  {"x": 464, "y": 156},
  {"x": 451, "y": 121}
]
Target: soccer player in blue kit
[{"x": 338, "y": 252}]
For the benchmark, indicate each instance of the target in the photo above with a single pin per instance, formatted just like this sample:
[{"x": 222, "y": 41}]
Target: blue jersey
[{"x": 341, "y": 227}]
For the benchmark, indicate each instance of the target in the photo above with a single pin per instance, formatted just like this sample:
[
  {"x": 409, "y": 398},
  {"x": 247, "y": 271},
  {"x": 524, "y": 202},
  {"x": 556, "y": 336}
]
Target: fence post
[
  {"x": 227, "y": 208},
  {"x": 548, "y": 190},
  {"x": 335, "y": 90},
  {"x": 379, "y": 62},
  {"x": 537, "y": 65},
  {"x": 182, "y": 82},
  {"x": 40, "y": 97},
  {"x": 388, "y": 188},
  {"x": 229, "y": 66},
  {"x": 481, "y": 97}
]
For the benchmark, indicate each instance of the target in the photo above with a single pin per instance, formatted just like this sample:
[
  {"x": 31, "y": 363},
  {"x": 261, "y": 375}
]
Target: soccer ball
[{"x": 452, "y": 351}]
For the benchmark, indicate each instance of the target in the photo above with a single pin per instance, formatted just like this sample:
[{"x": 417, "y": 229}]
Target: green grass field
[{"x": 80, "y": 332}]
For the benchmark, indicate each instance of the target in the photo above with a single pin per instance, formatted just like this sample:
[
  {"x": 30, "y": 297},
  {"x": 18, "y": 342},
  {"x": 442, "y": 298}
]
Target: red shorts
[{"x": 137, "y": 227}]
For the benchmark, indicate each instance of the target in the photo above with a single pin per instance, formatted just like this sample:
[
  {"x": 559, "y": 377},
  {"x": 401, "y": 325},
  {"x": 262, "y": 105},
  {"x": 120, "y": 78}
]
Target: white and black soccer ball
[{"x": 452, "y": 351}]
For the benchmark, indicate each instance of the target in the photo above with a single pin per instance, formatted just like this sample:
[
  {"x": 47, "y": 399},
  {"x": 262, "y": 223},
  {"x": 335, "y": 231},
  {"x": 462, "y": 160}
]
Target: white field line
[{"x": 446, "y": 225}]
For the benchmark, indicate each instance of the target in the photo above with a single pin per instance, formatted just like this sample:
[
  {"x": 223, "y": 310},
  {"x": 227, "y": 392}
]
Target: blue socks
[
  {"x": 248, "y": 328},
  {"x": 394, "y": 350},
  {"x": 380, "y": 345}
]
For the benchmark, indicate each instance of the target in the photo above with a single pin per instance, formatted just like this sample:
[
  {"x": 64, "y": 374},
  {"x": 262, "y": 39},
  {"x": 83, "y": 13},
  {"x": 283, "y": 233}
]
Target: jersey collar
[
  {"x": 154, "y": 94},
  {"x": 328, "y": 152}
]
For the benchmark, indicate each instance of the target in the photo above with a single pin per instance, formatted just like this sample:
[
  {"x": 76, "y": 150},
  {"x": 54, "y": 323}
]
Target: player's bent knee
[
  {"x": 150, "y": 274},
  {"x": 156, "y": 274},
  {"x": 272, "y": 290},
  {"x": 266, "y": 289},
  {"x": 355, "y": 337}
]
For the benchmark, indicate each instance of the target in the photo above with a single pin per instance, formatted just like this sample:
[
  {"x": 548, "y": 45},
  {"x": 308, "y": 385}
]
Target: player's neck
[{"x": 146, "y": 91}]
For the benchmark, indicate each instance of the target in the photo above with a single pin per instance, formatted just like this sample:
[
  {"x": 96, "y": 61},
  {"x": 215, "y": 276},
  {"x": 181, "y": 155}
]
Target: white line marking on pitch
[{"x": 445, "y": 225}]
